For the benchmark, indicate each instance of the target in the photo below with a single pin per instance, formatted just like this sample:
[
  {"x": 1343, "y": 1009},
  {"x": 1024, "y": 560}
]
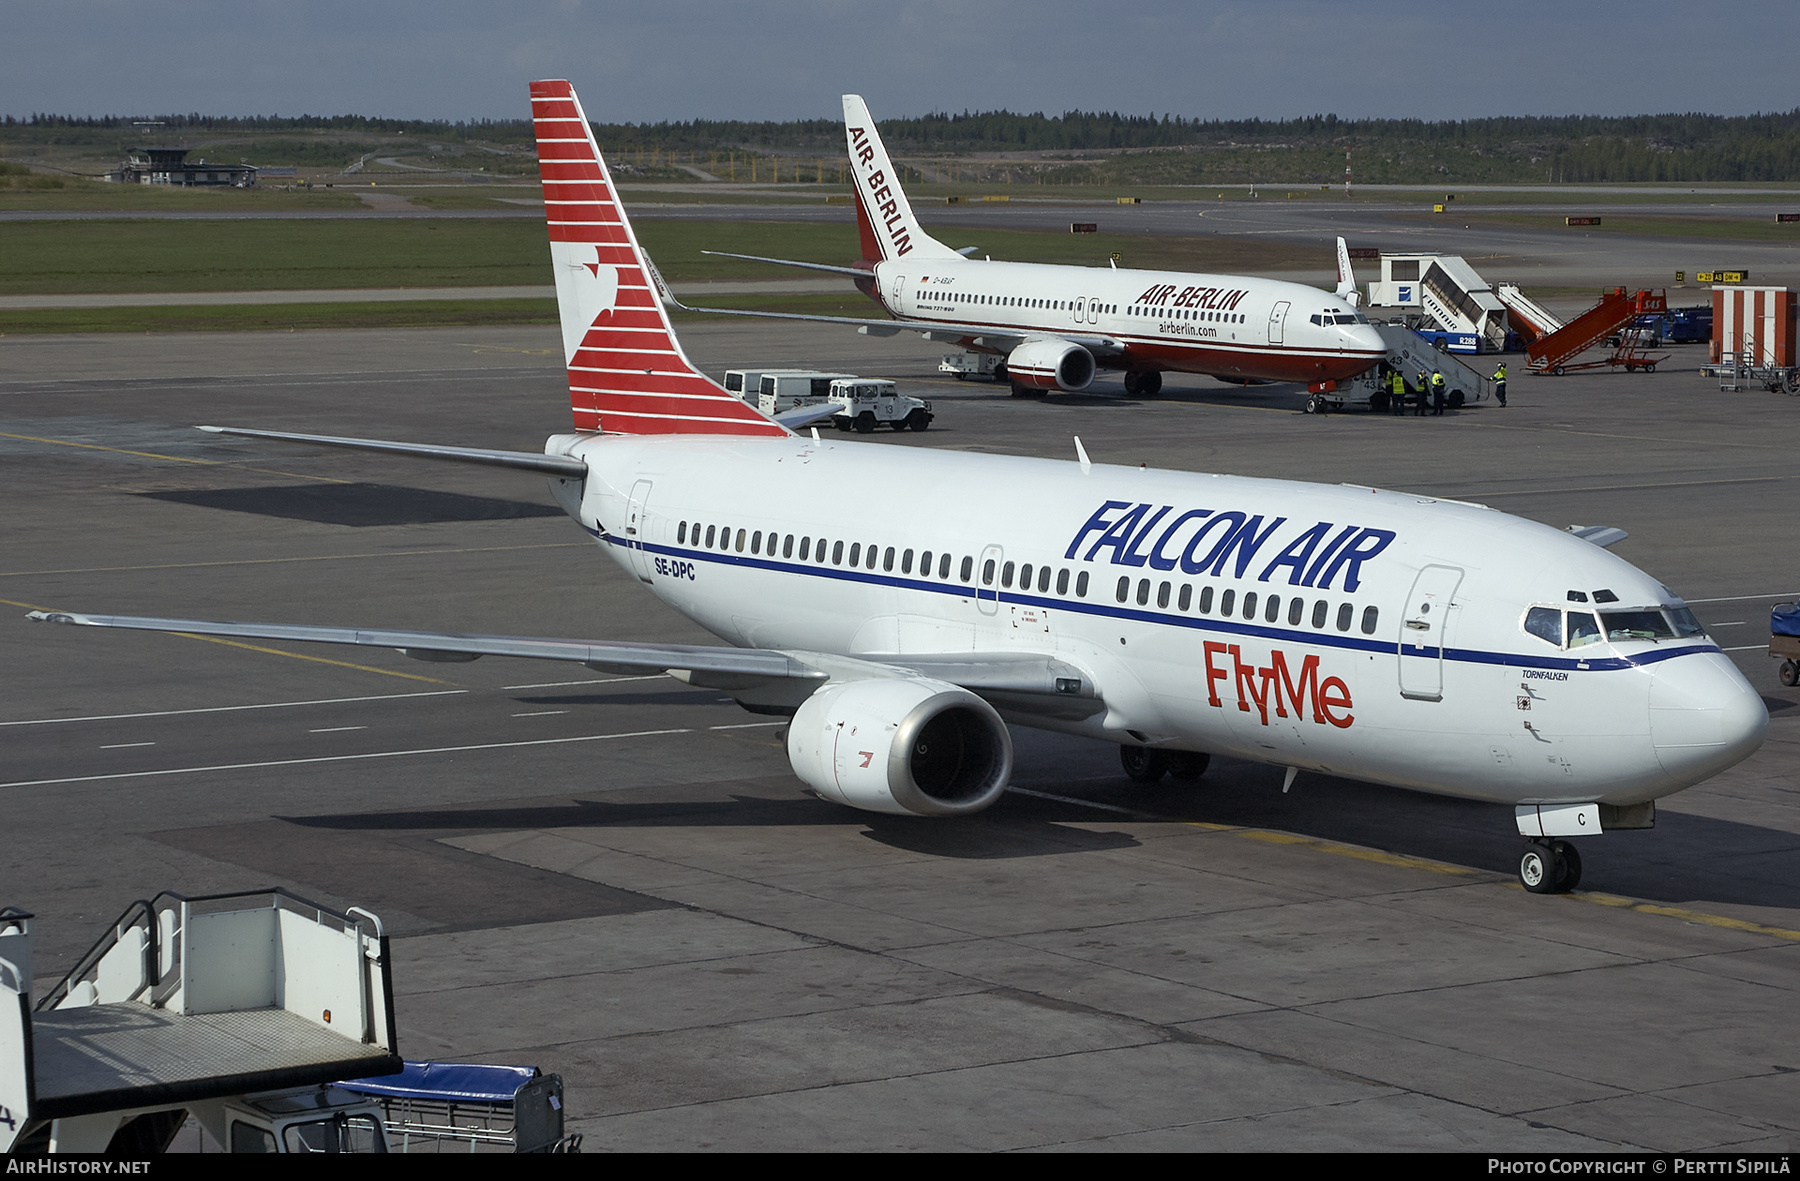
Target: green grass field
[
  {"x": 68, "y": 257},
  {"x": 1759, "y": 228},
  {"x": 422, "y": 313}
]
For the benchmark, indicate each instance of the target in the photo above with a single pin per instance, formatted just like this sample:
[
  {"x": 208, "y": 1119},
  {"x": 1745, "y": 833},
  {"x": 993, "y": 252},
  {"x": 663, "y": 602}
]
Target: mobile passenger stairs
[
  {"x": 1415, "y": 357},
  {"x": 267, "y": 1018},
  {"x": 1555, "y": 352},
  {"x": 194, "y": 1004}
]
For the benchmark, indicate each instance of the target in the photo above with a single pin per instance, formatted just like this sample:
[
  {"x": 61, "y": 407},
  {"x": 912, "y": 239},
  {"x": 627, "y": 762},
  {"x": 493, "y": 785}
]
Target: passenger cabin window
[
  {"x": 968, "y": 568},
  {"x": 1369, "y": 620},
  {"x": 944, "y": 568},
  {"x": 1081, "y": 585}
]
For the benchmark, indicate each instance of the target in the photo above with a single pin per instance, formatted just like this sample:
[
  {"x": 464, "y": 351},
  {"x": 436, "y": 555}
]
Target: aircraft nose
[{"x": 1704, "y": 716}]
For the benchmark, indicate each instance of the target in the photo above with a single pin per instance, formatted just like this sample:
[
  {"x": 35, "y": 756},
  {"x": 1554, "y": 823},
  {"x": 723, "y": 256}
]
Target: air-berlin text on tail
[
  {"x": 887, "y": 209},
  {"x": 1225, "y": 544},
  {"x": 1211, "y": 299}
]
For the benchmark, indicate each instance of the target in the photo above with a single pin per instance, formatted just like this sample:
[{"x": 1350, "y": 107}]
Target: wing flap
[{"x": 704, "y": 664}]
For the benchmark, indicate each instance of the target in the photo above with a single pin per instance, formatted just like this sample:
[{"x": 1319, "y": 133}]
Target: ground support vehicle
[
  {"x": 1734, "y": 375},
  {"x": 239, "y": 1008},
  {"x": 1611, "y": 316},
  {"x": 865, "y": 404},
  {"x": 452, "y": 1107},
  {"x": 1416, "y": 356},
  {"x": 965, "y": 366},
  {"x": 1784, "y": 641}
]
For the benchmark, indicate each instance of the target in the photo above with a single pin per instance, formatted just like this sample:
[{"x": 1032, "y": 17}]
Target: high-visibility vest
[{"x": 1437, "y": 379}]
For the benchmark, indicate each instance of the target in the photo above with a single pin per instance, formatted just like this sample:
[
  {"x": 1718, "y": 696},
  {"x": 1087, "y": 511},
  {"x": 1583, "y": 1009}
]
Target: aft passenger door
[
  {"x": 1425, "y": 632},
  {"x": 636, "y": 524}
]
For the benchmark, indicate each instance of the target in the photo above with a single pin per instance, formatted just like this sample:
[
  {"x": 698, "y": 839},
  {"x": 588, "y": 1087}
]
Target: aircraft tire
[
  {"x": 1537, "y": 869},
  {"x": 1150, "y": 384},
  {"x": 1568, "y": 861},
  {"x": 1188, "y": 765},
  {"x": 1131, "y": 383},
  {"x": 1143, "y": 764}
]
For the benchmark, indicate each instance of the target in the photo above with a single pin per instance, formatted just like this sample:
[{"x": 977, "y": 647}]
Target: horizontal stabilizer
[
  {"x": 1600, "y": 535},
  {"x": 553, "y": 465},
  {"x": 788, "y": 262},
  {"x": 801, "y": 416}
]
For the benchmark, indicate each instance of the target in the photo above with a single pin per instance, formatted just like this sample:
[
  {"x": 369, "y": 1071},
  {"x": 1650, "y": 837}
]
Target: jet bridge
[{"x": 186, "y": 1002}]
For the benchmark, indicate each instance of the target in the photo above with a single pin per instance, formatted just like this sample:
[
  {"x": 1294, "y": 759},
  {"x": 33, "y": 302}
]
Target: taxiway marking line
[
  {"x": 219, "y": 709},
  {"x": 382, "y": 754},
  {"x": 405, "y": 553},
  {"x": 1682, "y": 913},
  {"x": 1044, "y": 795},
  {"x": 1340, "y": 850},
  {"x": 171, "y": 458}
]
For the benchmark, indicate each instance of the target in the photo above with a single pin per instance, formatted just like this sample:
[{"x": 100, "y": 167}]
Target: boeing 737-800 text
[
  {"x": 1389, "y": 637},
  {"x": 1056, "y": 325}
]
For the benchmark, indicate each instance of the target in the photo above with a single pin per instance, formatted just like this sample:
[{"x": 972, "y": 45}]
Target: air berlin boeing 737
[
  {"x": 1389, "y": 637},
  {"x": 1056, "y": 325}
]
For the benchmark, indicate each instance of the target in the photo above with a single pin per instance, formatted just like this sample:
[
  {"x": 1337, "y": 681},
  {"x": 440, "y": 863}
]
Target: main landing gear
[
  {"x": 1148, "y": 765},
  {"x": 1145, "y": 383},
  {"x": 1550, "y": 867}
]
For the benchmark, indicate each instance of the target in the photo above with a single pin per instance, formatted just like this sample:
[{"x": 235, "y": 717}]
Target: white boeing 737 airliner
[
  {"x": 1056, "y": 325},
  {"x": 1389, "y": 637}
]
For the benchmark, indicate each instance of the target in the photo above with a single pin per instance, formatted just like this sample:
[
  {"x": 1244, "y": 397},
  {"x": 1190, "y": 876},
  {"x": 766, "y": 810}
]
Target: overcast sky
[{"x": 786, "y": 59}]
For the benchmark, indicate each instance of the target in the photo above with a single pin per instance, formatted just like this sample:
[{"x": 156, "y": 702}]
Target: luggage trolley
[
  {"x": 1784, "y": 641},
  {"x": 450, "y": 1107}
]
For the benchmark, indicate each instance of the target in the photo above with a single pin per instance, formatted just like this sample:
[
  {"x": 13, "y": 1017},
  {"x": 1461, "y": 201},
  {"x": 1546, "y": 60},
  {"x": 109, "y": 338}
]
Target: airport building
[{"x": 170, "y": 166}]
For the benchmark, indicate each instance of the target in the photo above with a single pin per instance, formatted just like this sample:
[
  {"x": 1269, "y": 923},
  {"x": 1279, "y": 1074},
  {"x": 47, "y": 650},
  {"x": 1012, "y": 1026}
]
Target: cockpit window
[
  {"x": 1685, "y": 623},
  {"x": 1546, "y": 624},
  {"x": 1636, "y": 625},
  {"x": 1582, "y": 630}
]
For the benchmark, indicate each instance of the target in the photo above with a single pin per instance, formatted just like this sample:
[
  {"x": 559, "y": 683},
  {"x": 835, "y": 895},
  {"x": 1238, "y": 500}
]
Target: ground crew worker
[
  {"x": 1438, "y": 399},
  {"x": 1419, "y": 396},
  {"x": 1500, "y": 385},
  {"x": 1397, "y": 399}
]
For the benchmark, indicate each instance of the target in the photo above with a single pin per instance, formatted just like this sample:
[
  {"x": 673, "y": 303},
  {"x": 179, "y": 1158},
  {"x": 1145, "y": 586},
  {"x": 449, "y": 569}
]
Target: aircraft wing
[{"x": 1031, "y": 683}]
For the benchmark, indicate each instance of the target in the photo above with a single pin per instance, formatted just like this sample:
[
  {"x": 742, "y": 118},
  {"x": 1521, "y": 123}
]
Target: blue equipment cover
[
  {"x": 449, "y": 1081},
  {"x": 1784, "y": 620}
]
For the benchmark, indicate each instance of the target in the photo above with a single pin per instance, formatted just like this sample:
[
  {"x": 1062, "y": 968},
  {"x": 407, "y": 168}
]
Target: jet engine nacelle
[
  {"x": 1051, "y": 365},
  {"x": 913, "y": 746}
]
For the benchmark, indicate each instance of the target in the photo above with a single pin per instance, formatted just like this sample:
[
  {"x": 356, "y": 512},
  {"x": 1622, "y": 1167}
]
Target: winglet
[{"x": 1081, "y": 456}]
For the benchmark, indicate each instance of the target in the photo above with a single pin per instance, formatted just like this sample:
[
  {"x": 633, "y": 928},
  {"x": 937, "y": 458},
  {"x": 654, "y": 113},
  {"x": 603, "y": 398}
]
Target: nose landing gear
[{"x": 1550, "y": 867}]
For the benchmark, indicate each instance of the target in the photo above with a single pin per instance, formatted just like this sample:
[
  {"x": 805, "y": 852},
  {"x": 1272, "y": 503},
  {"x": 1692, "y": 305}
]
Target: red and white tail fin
[
  {"x": 627, "y": 373},
  {"x": 889, "y": 229}
]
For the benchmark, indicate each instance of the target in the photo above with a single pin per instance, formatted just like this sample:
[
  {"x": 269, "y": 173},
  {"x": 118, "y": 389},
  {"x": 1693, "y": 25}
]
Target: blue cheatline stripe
[{"x": 1167, "y": 619}]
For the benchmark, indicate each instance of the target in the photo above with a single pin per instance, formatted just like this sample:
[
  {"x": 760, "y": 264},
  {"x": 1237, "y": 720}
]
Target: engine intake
[
  {"x": 912, "y": 746},
  {"x": 1051, "y": 365}
]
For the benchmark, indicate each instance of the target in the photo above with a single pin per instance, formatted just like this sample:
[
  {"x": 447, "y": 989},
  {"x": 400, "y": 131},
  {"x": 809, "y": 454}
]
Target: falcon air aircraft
[
  {"x": 1057, "y": 325},
  {"x": 1382, "y": 636}
]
